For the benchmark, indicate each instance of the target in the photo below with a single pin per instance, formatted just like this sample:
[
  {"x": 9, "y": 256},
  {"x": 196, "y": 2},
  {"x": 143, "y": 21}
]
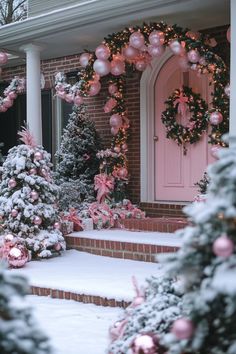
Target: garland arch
[
  {"x": 17, "y": 85},
  {"x": 133, "y": 49}
]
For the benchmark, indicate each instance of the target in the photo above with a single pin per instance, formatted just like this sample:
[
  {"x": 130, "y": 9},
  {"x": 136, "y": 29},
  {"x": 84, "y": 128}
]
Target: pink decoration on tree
[
  {"x": 14, "y": 213},
  {"x": 102, "y": 67},
  {"x": 110, "y": 104},
  {"x": 84, "y": 59},
  {"x": 216, "y": 118},
  {"x": 78, "y": 100},
  {"x": 116, "y": 331},
  {"x": 130, "y": 53},
  {"x": 182, "y": 104},
  {"x": 145, "y": 343},
  {"x": 155, "y": 51},
  {"x": 102, "y": 52},
  {"x": 95, "y": 87},
  {"x": 116, "y": 121},
  {"x": 104, "y": 185},
  {"x": 183, "y": 328},
  {"x": 156, "y": 38},
  {"x": 223, "y": 246},
  {"x": 117, "y": 67},
  {"x": 114, "y": 131},
  {"x": 12, "y": 183},
  {"x": 177, "y": 48},
  {"x": 112, "y": 88},
  {"x": 136, "y": 40},
  {"x": 27, "y": 138},
  {"x": 38, "y": 220},
  {"x": 18, "y": 256},
  {"x": 38, "y": 156}
]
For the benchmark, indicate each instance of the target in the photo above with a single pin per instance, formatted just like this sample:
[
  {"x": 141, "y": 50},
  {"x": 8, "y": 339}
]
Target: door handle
[{"x": 155, "y": 138}]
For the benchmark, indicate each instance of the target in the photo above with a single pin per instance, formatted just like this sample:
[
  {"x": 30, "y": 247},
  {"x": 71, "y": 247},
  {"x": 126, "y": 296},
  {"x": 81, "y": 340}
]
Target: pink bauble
[
  {"x": 118, "y": 56},
  {"x": 78, "y": 100},
  {"x": 38, "y": 156},
  {"x": 57, "y": 225},
  {"x": 3, "y": 108},
  {"x": 102, "y": 67},
  {"x": 7, "y": 102},
  {"x": 141, "y": 65},
  {"x": 8, "y": 237},
  {"x": 69, "y": 97},
  {"x": 223, "y": 246},
  {"x": 124, "y": 147},
  {"x": 117, "y": 67},
  {"x": 182, "y": 328},
  {"x": 34, "y": 195},
  {"x": 84, "y": 59},
  {"x": 3, "y": 58},
  {"x": 116, "y": 121},
  {"x": 14, "y": 213},
  {"x": 57, "y": 247},
  {"x": 102, "y": 52},
  {"x": 95, "y": 87},
  {"x": 38, "y": 220},
  {"x": 122, "y": 173},
  {"x": 176, "y": 48},
  {"x": 139, "y": 299},
  {"x": 193, "y": 56},
  {"x": 130, "y": 53},
  {"x": 156, "y": 38},
  {"x": 112, "y": 88},
  {"x": 228, "y": 34},
  {"x": 183, "y": 63},
  {"x": 227, "y": 90},
  {"x": 12, "y": 183},
  {"x": 215, "y": 151},
  {"x": 114, "y": 131},
  {"x": 12, "y": 95},
  {"x": 216, "y": 118},
  {"x": 117, "y": 149},
  {"x": 155, "y": 51},
  {"x": 96, "y": 77},
  {"x": 145, "y": 344},
  {"x": 61, "y": 94},
  {"x": 33, "y": 171},
  {"x": 18, "y": 256},
  {"x": 136, "y": 40},
  {"x": 111, "y": 103}
]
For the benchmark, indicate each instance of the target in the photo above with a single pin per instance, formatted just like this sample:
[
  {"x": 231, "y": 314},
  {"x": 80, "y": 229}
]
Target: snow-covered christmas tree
[
  {"x": 204, "y": 269},
  {"x": 28, "y": 198},
  {"x": 77, "y": 161},
  {"x": 19, "y": 331}
]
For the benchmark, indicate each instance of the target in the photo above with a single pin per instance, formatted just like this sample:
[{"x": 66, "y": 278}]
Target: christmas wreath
[{"x": 180, "y": 102}]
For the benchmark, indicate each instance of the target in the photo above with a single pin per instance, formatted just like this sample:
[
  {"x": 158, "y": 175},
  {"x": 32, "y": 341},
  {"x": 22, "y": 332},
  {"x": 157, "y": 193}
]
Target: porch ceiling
[{"x": 70, "y": 30}]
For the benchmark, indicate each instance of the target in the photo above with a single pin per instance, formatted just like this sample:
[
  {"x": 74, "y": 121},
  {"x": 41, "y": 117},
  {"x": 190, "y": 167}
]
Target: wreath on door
[{"x": 184, "y": 101}]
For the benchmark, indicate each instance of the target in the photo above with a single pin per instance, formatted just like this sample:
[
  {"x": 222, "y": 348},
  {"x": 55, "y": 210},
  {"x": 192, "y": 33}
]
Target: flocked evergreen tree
[
  {"x": 19, "y": 331},
  {"x": 205, "y": 269},
  {"x": 77, "y": 161},
  {"x": 28, "y": 198}
]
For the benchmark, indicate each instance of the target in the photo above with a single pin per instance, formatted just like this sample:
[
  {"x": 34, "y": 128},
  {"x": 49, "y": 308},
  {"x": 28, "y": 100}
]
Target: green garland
[{"x": 197, "y": 124}]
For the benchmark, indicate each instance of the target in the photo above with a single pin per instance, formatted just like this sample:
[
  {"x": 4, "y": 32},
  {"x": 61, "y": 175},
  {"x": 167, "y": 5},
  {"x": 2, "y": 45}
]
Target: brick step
[
  {"x": 163, "y": 224},
  {"x": 127, "y": 247},
  {"x": 87, "y": 299},
  {"x": 163, "y": 209}
]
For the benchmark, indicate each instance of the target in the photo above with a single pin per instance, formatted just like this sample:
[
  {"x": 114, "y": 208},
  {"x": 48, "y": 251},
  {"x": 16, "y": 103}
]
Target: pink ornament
[
  {"x": 176, "y": 48},
  {"x": 14, "y": 213},
  {"x": 38, "y": 156},
  {"x": 111, "y": 103},
  {"x": 227, "y": 90},
  {"x": 215, "y": 151},
  {"x": 3, "y": 58},
  {"x": 18, "y": 256},
  {"x": 102, "y": 67},
  {"x": 124, "y": 147},
  {"x": 117, "y": 67},
  {"x": 216, "y": 118},
  {"x": 12, "y": 183},
  {"x": 7, "y": 102},
  {"x": 8, "y": 237},
  {"x": 112, "y": 88},
  {"x": 116, "y": 121},
  {"x": 130, "y": 53},
  {"x": 38, "y": 220},
  {"x": 84, "y": 59},
  {"x": 114, "y": 131},
  {"x": 78, "y": 100},
  {"x": 136, "y": 40},
  {"x": 34, "y": 195},
  {"x": 61, "y": 94},
  {"x": 122, "y": 173},
  {"x": 193, "y": 56},
  {"x": 96, "y": 77},
  {"x": 3, "y": 108},
  {"x": 182, "y": 328},
  {"x": 155, "y": 51},
  {"x": 141, "y": 65},
  {"x": 57, "y": 225},
  {"x": 145, "y": 344},
  {"x": 156, "y": 38},
  {"x": 33, "y": 171},
  {"x": 102, "y": 52},
  {"x": 12, "y": 95},
  {"x": 118, "y": 56},
  {"x": 57, "y": 247},
  {"x": 117, "y": 149},
  {"x": 95, "y": 87},
  {"x": 228, "y": 34},
  {"x": 69, "y": 97},
  {"x": 117, "y": 329},
  {"x": 223, "y": 246}
]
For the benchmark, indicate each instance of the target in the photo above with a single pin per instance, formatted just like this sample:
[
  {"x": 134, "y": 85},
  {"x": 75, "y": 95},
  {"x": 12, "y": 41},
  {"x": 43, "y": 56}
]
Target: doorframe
[{"x": 147, "y": 115}]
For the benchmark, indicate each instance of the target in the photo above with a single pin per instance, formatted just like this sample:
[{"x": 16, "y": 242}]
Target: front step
[
  {"x": 124, "y": 244},
  {"x": 154, "y": 224}
]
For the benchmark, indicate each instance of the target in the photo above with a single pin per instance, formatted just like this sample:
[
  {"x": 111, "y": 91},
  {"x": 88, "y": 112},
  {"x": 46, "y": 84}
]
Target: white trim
[
  {"x": 232, "y": 120},
  {"x": 147, "y": 111}
]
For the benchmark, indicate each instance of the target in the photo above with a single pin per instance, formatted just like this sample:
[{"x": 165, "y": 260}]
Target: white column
[
  {"x": 33, "y": 90},
  {"x": 232, "y": 121}
]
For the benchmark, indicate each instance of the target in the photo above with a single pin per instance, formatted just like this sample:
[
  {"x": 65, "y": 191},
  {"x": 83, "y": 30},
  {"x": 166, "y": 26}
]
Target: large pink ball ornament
[
  {"x": 155, "y": 51},
  {"x": 145, "y": 344},
  {"x": 182, "y": 328},
  {"x": 227, "y": 90},
  {"x": 193, "y": 56},
  {"x": 33, "y": 171},
  {"x": 223, "y": 246},
  {"x": 69, "y": 97},
  {"x": 130, "y": 53},
  {"x": 216, "y": 118},
  {"x": 12, "y": 95},
  {"x": 12, "y": 183},
  {"x": 176, "y": 48},
  {"x": 61, "y": 94},
  {"x": 14, "y": 213},
  {"x": 84, "y": 59},
  {"x": 117, "y": 67},
  {"x": 38, "y": 220},
  {"x": 102, "y": 52},
  {"x": 38, "y": 156},
  {"x": 102, "y": 67},
  {"x": 18, "y": 256},
  {"x": 3, "y": 58},
  {"x": 136, "y": 40},
  {"x": 114, "y": 131},
  {"x": 34, "y": 195},
  {"x": 156, "y": 38},
  {"x": 141, "y": 65},
  {"x": 78, "y": 100},
  {"x": 123, "y": 174},
  {"x": 116, "y": 121},
  {"x": 112, "y": 88},
  {"x": 7, "y": 102},
  {"x": 3, "y": 108},
  {"x": 57, "y": 225},
  {"x": 228, "y": 34},
  {"x": 57, "y": 247},
  {"x": 95, "y": 87}
]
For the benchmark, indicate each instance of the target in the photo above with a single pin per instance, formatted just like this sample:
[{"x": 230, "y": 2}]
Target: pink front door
[{"x": 175, "y": 172}]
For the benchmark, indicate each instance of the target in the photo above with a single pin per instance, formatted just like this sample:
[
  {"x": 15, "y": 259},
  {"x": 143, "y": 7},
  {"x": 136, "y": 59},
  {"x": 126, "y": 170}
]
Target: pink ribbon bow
[
  {"x": 104, "y": 184},
  {"x": 182, "y": 104}
]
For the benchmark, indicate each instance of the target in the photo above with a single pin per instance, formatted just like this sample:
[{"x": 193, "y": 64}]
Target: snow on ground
[
  {"x": 153, "y": 238},
  {"x": 88, "y": 274},
  {"x": 74, "y": 328}
]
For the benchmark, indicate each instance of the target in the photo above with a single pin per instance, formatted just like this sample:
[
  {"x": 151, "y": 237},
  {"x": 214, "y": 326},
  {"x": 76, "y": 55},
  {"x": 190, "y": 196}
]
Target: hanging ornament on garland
[
  {"x": 180, "y": 102},
  {"x": 16, "y": 86}
]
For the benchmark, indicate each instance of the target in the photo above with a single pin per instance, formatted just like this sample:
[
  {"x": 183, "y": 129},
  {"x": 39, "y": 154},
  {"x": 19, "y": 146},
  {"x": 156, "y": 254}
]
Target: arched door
[{"x": 176, "y": 172}]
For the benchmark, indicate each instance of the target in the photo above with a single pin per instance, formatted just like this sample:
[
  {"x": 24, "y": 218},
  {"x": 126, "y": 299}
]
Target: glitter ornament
[
  {"x": 156, "y": 38},
  {"x": 182, "y": 328},
  {"x": 215, "y": 118},
  {"x": 136, "y": 40},
  {"x": 14, "y": 213},
  {"x": 34, "y": 195},
  {"x": 57, "y": 225},
  {"x": 17, "y": 256},
  {"x": 38, "y": 156},
  {"x": 38, "y": 220},
  {"x": 223, "y": 246},
  {"x": 145, "y": 344},
  {"x": 12, "y": 183}
]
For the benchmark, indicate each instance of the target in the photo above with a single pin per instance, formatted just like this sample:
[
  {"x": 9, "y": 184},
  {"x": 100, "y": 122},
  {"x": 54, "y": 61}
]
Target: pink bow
[
  {"x": 73, "y": 216},
  {"x": 182, "y": 104},
  {"x": 104, "y": 184}
]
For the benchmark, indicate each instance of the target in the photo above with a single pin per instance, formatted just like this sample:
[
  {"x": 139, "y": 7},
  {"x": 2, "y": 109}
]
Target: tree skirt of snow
[
  {"x": 88, "y": 274},
  {"x": 150, "y": 238},
  {"x": 74, "y": 328}
]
